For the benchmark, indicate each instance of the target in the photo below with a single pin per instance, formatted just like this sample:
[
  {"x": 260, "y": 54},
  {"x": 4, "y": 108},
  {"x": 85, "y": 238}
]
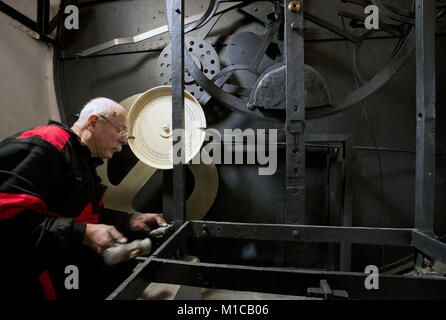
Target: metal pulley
[{"x": 150, "y": 127}]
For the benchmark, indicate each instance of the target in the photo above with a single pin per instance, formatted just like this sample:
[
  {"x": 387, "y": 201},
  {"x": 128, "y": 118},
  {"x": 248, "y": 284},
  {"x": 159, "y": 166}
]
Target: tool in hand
[
  {"x": 123, "y": 252},
  {"x": 161, "y": 231}
]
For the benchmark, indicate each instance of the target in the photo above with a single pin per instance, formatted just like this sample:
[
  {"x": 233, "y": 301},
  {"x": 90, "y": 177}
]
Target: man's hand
[
  {"x": 147, "y": 222},
  {"x": 100, "y": 237}
]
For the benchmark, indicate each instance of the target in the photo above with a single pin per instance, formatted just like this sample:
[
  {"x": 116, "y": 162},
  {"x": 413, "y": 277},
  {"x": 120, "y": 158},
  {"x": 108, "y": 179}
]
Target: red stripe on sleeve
[
  {"x": 58, "y": 137},
  {"x": 87, "y": 216},
  {"x": 12, "y": 204},
  {"x": 47, "y": 285}
]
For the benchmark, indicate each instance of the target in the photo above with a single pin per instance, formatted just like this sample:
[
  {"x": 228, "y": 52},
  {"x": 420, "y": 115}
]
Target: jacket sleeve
[
  {"x": 29, "y": 174},
  {"x": 30, "y": 230}
]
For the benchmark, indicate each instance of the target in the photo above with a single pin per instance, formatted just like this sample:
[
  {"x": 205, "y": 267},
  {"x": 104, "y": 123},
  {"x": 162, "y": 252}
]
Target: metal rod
[
  {"x": 43, "y": 16},
  {"x": 179, "y": 172},
  {"x": 27, "y": 22},
  {"x": 142, "y": 275},
  {"x": 135, "y": 284},
  {"x": 425, "y": 117},
  {"x": 346, "y": 246},
  {"x": 302, "y": 233},
  {"x": 429, "y": 246},
  {"x": 394, "y": 30},
  {"x": 335, "y": 29},
  {"x": 59, "y": 16},
  {"x": 295, "y": 113},
  {"x": 293, "y": 282}
]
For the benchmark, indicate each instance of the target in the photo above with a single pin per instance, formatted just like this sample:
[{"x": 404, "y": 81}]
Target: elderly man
[{"x": 51, "y": 211}]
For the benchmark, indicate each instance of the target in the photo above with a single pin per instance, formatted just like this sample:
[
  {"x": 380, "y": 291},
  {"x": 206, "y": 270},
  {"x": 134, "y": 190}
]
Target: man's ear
[{"x": 91, "y": 123}]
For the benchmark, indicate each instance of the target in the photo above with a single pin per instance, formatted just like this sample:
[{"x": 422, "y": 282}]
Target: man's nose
[{"x": 123, "y": 140}]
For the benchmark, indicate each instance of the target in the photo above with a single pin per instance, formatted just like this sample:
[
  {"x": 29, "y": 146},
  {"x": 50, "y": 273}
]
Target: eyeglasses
[{"x": 122, "y": 131}]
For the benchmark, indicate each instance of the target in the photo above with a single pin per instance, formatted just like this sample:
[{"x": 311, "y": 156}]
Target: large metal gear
[
  {"x": 134, "y": 186},
  {"x": 212, "y": 87},
  {"x": 203, "y": 55},
  {"x": 237, "y": 99}
]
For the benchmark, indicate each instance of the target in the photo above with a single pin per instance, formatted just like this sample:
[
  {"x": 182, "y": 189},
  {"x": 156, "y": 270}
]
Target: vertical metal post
[
  {"x": 179, "y": 176},
  {"x": 43, "y": 16},
  {"x": 347, "y": 219},
  {"x": 295, "y": 112},
  {"x": 335, "y": 201},
  {"x": 425, "y": 117}
]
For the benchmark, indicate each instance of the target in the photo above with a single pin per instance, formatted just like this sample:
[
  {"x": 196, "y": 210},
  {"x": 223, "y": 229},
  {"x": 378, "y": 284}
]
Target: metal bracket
[
  {"x": 296, "y": 128},
  {"x": 326, "y": 292},
  {"x": 152, "y": 33}
]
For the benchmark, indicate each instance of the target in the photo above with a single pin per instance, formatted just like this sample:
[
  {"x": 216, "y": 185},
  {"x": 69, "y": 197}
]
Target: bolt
[
  {"x": 294, "y": 6},
  {"x": 251, "y": 107},
  {"x": 296, "y": 234},
  {"x": 294, "y": 26},
  {"x": 178, "y": 10},
  {"x": 205, "y": 230}
]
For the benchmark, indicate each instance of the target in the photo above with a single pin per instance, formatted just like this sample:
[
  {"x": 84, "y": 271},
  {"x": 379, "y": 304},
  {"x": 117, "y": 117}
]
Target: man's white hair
[{"x": 97, "y": 106}]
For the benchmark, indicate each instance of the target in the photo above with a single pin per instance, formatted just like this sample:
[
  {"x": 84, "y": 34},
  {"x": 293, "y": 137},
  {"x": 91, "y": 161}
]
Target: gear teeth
[{"x": 392, "y": 68}]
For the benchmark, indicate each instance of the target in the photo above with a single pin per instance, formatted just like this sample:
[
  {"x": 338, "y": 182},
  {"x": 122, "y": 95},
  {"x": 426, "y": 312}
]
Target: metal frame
[
  {"x": 43, "y": 26},
  {"x": 165, "y": 265},
  {"x": 347, "y": 214}
]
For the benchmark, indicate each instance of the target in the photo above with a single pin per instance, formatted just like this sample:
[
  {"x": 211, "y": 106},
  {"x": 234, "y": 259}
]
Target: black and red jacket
[{"x": 49, "y": 190}]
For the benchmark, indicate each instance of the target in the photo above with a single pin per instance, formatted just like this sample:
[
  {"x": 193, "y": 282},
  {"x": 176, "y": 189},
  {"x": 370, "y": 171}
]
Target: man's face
[{"x": 107, "y": 137}]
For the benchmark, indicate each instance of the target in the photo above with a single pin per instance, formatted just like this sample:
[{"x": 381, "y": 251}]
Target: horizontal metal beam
[
  {"x": 293, "y": 282},
  {"x": 429, "y": 246},
  {"x": 302, "y": 233}
]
